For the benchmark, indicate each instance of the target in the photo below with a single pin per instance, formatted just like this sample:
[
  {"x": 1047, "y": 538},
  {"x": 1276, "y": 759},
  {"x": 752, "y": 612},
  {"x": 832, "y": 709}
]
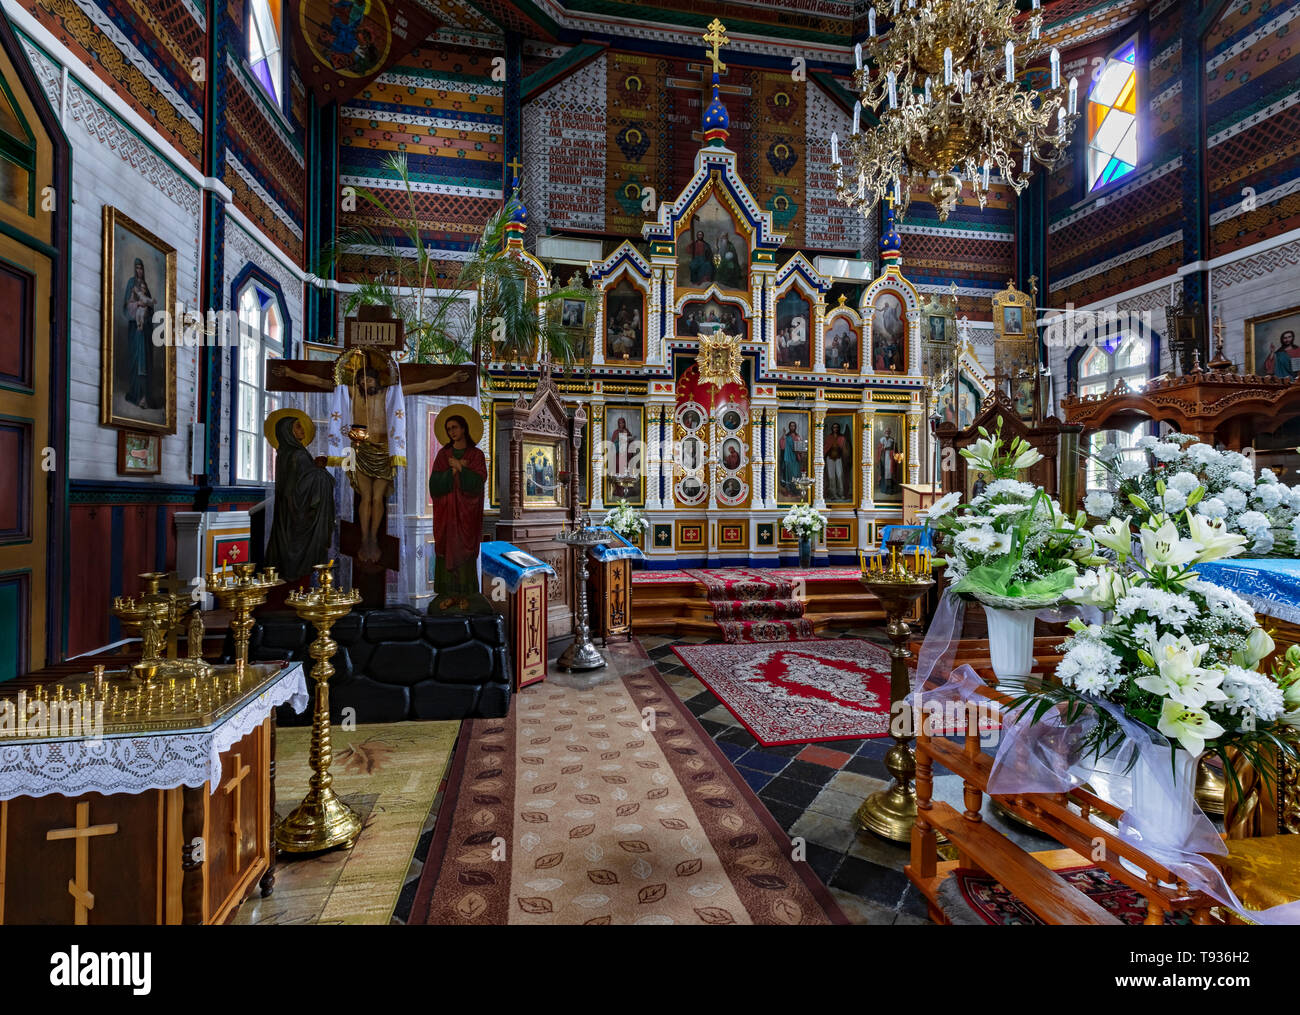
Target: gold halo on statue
[
  {"x": 472, "y": 419},
  {"x": 308, "y": 427},
  {"x": 345, "y": 367}
]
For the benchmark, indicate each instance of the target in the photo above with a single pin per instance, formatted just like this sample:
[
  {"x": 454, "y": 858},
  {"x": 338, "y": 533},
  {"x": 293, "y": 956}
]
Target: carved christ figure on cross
[{"x": 367, "y": 409}]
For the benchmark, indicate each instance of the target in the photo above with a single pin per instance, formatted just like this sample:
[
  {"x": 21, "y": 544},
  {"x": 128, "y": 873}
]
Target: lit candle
[
  {"x": 947, "y": 65},
  {"x": 1011, "y": 60},
  {"x": 857, "y": 55},
  {"x": 1056, "y": 68},
  {"x": 835, "y": 147},
  {"x": 1074, "y": 96},
  {"x": 857, "y": 117},
  {"x": 893, "y": 91}
]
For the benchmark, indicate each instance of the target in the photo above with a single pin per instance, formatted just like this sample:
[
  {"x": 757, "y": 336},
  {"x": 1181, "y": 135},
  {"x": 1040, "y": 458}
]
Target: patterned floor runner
[
  {"x": 798, "y": 694},
  {"x": 756, "y": 605},
  {"x": 572, "y": 811}
]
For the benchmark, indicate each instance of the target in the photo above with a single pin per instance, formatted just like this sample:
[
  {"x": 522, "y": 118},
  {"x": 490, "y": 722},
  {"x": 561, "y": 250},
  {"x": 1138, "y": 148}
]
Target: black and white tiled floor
[{"x": 813, "y": 791}]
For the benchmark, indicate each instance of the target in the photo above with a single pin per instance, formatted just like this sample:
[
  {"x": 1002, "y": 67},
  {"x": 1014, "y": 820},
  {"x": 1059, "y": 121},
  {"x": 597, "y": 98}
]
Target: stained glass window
[
  {"x": 1112, "y": 119},
  {"x": 265, "y": 53},
  {"x": 260, "y": 339}
]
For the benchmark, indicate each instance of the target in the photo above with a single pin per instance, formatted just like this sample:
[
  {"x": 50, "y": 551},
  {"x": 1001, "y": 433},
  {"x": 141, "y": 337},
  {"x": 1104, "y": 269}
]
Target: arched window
[
  {"x": 1100, "y": 369},
  {"x": 265, "y": 50},
  {"x": 261, "y": 337},
  {"x": 1112, "y": 118}
]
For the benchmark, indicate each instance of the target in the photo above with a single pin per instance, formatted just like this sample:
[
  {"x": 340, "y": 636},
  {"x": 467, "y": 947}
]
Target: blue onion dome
[
  {"x": 516, "y": 211},
  {"x": 716, "y": 120},
  {"x": 891, "y": 243}
]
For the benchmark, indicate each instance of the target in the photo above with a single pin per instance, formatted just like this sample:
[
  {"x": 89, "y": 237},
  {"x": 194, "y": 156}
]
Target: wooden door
[{"x": 29, "y": 465}]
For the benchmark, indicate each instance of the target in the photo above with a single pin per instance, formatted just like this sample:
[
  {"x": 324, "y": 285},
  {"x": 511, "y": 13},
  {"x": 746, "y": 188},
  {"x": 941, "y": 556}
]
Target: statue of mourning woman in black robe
[{"x": 303, "y": 525}]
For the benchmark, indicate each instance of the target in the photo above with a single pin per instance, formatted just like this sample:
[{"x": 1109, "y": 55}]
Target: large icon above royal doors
[{"x": 711, "y": 250}]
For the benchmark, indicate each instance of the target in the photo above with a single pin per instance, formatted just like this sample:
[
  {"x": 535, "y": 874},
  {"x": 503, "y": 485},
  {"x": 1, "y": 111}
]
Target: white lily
[
  {"x": 1191, "y": 727},
  {"x": 1179, "y": 675},
  {"x": 1258, "y": 646},
  {"x": 1165, "y": 546},
  {"x": 1026, "y": 458},
  {"x": 1115, "y": 536},
  {"x": 1213, "y": 538}
]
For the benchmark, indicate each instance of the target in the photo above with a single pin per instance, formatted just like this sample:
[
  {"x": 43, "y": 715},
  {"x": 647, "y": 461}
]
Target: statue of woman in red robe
[{"x": 456, "y": 487}]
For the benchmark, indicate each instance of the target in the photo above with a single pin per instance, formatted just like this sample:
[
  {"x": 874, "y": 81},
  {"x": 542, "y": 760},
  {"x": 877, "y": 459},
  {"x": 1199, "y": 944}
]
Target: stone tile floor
[{"x": 813, "y": 791}]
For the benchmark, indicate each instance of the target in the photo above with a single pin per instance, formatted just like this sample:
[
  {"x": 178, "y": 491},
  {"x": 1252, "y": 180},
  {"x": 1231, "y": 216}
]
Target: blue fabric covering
[
  {"x": 1270, "y": 585},
  {"x": 924, "y": 544},
  {"x": 495, "y": 563},
  {"x": 617, "y": 548}
]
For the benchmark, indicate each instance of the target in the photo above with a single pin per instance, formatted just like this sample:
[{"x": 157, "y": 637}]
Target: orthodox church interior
[{"x": 503, "y": 463}]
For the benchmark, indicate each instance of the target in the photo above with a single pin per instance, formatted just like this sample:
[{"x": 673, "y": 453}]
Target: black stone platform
[{"x": 396, "y": 664}]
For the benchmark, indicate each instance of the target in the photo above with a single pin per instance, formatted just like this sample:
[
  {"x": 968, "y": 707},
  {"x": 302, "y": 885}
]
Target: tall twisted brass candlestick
[
  {"x": 322, "y": 821},
  {"x": 891, "y": 812},
  {"x": 240, "y": 593}
]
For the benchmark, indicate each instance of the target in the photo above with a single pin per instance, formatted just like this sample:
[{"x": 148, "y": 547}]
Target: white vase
[
  {"x": 1011, "y": 642},
  {"x": 1153, "y": 802}
]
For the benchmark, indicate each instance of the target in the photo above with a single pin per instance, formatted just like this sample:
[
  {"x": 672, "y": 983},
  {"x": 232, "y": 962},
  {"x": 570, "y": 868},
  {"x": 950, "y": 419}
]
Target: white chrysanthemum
[
  {"x": 1166, "y": 453},
  {"x": 1264, "y": 543},
  {"x": 1146, "y": 443},
  {"x": 1184, "y": 483},
  {"x": 1180, "y": 438},
  {"x": 1268, "y": 476},
  {"x": 1223, "y": 604},
  {"x": 1267, "y": 497},
  {"x": 1131, "y": 468},
  {"x": 1242, "y": 479},
  {"x": 1235, "y": 460},
  {"x": 1234, "y": 498},
  {"x": 1212, "y": 507},
  {"x": 1090, "y": 666},
  {"x": 1251, "y": 522},
  {"x": 1173, "y": 501},
  {"x": 1099, "y": 504},
  {"x": 978, "y": 540},
  {"x": 1145, "y": 633},
  {"x": 1009, "y": 487},
  {"x": 1203, "y": 454},
  {"x": 1253, "y": 693}
]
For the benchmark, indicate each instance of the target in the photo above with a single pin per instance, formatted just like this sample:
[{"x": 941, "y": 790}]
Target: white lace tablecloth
[{"x": 139, "y": 762}]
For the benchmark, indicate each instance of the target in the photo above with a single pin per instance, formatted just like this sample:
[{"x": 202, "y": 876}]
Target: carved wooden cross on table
[
  {"x": 79, "y": 886},
  {"x": 235, "y": 786}
]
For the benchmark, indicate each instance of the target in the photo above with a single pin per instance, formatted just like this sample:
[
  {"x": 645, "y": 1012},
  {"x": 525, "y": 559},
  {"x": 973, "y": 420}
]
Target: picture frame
[
  {"x": 889, "y": 331},
  {"x": 1265, "y": 338},
  {"x": 888, "y": 457},
  {"x": 624, "y": 321},
  {"x": 138, "y": 454},
  {"x": 542, "y": 466},
  {"x": 792, "y": 342},
  {"x": 840, "y": 484},
  {"x": 712, "y": 249},
  {"x": 793, "y": 453},
  {"x": 842, "y": 340},
  {"x": 573, "y": 314},
  {"x": 624, "y": 434},
  {"x": 137, "y": 378}
]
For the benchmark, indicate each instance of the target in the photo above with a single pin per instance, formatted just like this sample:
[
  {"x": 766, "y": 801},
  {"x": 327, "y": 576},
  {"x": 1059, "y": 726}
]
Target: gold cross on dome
[
  {"x": 515, "y": 165},
  {"x": 715, "y": 37}
]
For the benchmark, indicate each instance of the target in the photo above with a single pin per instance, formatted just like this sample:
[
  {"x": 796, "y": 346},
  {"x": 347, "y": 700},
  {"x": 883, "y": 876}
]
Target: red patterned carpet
[
  {"x": 972, "y": 897},
  {"x": 757, "y": 604},
  {"x": 801, "y": 693},
  {"x": 570, "y": 811}
]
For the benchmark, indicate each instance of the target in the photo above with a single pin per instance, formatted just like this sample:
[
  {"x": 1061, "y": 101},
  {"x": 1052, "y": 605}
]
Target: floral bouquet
[
  {"x": 1011, "y": 547},
  {"x": 803, "y": 520},
  {"x": 626, "y": 520},
  {"x": 1166, "y": 479},
  {"x": 1178, "y": 655}
]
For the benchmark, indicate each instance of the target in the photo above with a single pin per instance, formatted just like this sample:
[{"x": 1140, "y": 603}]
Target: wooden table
[
  {"x": 1066, "y": 817},
  {"x": 160, "y": 826}
]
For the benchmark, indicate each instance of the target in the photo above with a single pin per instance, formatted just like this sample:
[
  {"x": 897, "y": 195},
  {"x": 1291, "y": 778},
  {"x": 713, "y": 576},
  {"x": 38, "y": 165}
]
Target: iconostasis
[{"x": 723, "y": 374}]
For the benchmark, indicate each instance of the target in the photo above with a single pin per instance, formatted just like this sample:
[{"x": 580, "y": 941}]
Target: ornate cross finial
[
  {"x": 715, "y": 37},
  {"x": 515, "y": 165}
]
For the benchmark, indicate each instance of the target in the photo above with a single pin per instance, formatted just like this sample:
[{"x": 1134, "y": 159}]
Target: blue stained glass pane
[
  {"x": 1129, "y": 53},
  {"x": 262, "y": 71}
]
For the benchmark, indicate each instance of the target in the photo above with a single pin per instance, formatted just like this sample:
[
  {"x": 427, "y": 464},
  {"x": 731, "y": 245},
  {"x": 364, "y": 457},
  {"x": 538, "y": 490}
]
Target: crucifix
[
  {"x": 715, "y": 36},
  {"x": 79, "y": 886},
  {"x": 368, "y": 388},
  {"x": 235, "y": 785}
]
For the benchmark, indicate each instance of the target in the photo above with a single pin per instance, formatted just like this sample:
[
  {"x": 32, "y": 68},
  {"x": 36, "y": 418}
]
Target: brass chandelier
[{"x": 944, "y": 83}]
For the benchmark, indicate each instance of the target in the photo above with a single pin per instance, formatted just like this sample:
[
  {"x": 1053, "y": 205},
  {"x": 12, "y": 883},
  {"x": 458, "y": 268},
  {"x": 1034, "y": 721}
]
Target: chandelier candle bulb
[
  {"x": 1011, "y": 60},
  {"x": 1035, "y": 28},
  {"x": 986, "y": 174},
  {"x": 1056, "y": 68},
  {"x": 1025, "y": 167},
  {"x": 893, "y": 91},
  {"x": 857, "y": 117},
  {"x": 927, "y": 91},
  {"x": 871, "y": 22},
  {"x": 857, "y": 55},
  {"x": 1074, "y": 96},
  {"x": 967, "y": 83},
  {"x": 835, "y": 148},
  {"x": 947, "y": 65}
]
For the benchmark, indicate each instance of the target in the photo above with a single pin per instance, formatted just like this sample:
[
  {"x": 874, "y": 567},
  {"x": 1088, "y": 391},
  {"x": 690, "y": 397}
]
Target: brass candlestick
[
  {"x": 891, "y": 812},
  {"x": 159, "y": 615},
  {"x": 240, "y": 593},
  {"x": 322, "y": 821}
]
